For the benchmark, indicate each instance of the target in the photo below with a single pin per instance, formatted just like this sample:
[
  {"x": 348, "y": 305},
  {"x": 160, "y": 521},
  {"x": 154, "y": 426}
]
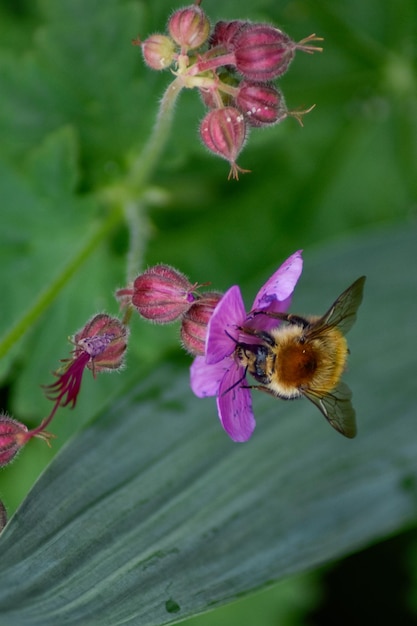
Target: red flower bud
[
  {"x": 161, "y": 294},
  {"x": 263, "y": 52},
  {"x": 223, "y": 131},
  {"x": 261, "y": 103},
  {"x": 195, "y": 321},
  {"x": 158, "y": 51},
  {"x": 189, "y": 27},
  {"x": 100, "y": 346},
  {"x": 104, "y": 339},
  {"x": 13, "y": 436}
]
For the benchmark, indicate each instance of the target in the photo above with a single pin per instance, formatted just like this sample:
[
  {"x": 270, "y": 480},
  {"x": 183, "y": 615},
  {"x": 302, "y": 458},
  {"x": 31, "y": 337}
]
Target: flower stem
[{"x": 141, "y": 167}]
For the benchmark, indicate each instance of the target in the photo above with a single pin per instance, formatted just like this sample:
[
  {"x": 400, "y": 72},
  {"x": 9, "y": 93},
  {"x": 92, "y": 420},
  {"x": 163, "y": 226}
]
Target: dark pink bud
[
  {"x": 224, "y": 33},
  {"x": 161, "y": 294},
  {"x": 13, "y": 436},
  {"x": 261, "y": 103},
  {"x": 263, "y": 52},
  {"x": 223, "y": 131},
  {"x": 158, "y": 51},
  {"x": 189, "y": 27},
  {"x": 3, "y": 516},
  {"x": 195, "y": 321},
  {"x": 104, "y": 339}
]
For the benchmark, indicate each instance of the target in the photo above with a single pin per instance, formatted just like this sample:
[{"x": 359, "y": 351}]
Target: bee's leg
[{"x": 269, "y": 391}]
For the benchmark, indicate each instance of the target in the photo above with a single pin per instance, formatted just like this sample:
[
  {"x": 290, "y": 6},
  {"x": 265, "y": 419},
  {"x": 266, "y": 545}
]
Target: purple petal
[
  {"x": 234, "y": 404},
  {"x": 281, "y": 284},
  {"x": 275, "y": 296},
  {"x": 228, "y": 314},
  {"x": 205, "y": 379}
]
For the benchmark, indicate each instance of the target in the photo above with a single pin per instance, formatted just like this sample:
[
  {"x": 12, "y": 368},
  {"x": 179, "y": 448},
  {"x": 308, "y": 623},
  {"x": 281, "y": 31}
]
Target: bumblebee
[{"x": 306, "y": 356}]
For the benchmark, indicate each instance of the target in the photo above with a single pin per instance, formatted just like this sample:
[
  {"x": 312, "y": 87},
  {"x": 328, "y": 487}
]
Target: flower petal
[
  {"x": 276, "y": 294},
  {"x": 281, "y": 284},
  {"x": 205, "y": 379},
  {"x": 228, "y": 314},
  {"x": 234, "y": 404}
]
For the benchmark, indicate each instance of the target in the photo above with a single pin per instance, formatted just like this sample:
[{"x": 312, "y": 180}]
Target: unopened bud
[
  {"x": 189, "y": 27},
  {"x": 158, "y": 51},
  {"x": 263, "y": 52},
  {"x": 261, "y": 103},
  {"x": 104, "y": 339},
  {"x": 161, "y": 294},
  {"x": 195, "y": 321},
  {"x": 13, "y": 436},
  {"x": 223, "y": 131}
]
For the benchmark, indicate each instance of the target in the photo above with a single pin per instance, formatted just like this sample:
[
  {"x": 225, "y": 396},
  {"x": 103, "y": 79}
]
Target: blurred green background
[{"x": 76, "y": 102}]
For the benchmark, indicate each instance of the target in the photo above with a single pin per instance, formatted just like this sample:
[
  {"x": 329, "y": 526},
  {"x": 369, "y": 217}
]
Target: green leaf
[{"x": 152, "y": 514}]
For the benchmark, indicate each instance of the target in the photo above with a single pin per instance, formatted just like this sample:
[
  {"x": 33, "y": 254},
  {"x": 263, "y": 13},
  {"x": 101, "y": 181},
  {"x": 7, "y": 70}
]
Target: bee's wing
[
  {"x": 336, "y": 408},
  {"x": 343, "y": 312}
]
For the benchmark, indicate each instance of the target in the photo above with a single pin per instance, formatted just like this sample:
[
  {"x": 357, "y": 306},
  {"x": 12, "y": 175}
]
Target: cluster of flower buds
[
  {"x": 233, "y": 66},
  {"x": 163, "y": 295}
]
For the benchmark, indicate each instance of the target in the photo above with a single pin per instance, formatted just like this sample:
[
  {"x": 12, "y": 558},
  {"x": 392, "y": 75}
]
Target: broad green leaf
[{"x": 151, "y": 514}]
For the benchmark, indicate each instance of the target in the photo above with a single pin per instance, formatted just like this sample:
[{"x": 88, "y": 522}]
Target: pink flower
[
  {"x": 99, "y": 346},
  {"x": 219, "y": 373}
]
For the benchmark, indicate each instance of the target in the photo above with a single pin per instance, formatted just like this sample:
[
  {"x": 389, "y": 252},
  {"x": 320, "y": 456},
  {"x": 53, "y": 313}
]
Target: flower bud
[
  {"x": 161, "y": 294},
  {"x": 223, "y": 131},
  {"x": 104, "y": 339},
  {"x": 13, "y": 436},
  {"x": 261, "y": 103},
  {"x": 263, "y": 52},
  {"x": 158, "y": 51},
  {"x": 195, "y": 321},
  {"x": 3, "y": 516},
  {"x": 224, "y": 33},
  {"x": 189, "y": 27}
]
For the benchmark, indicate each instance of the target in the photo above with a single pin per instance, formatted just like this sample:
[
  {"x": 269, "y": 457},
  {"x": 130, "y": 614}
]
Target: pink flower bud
[
  {"x": 13, "y": 436},
  {"x": 261, "y": 103},
  {"x": 3, "y": 516},
  {"x": 224, "y": 33},
  {"x": 263, "y": 52},
  {"x": 161, "y": 294},
  {"x": 104, "y": 339},
  {"x": 195, "y": 321},
  {"x": 158, "y": 51},
  {"x": 189, "y": 27},
  {"x": 223, "y": 131}
]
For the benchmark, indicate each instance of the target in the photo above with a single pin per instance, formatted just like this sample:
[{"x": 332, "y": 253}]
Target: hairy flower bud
[
  {"x": 13, "y": 436},
  {"x": 261, "y": 103},
  {"x": 158, "y": 51},
  {"x": 104, "y": 339},
  {"x": 223, "y": 131},
  {"x": 194, "y": 323},
  {"x": 161, "y": 294},
  {"x": 263, "y": 52},
  {"x": 189, "y": 27}
]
